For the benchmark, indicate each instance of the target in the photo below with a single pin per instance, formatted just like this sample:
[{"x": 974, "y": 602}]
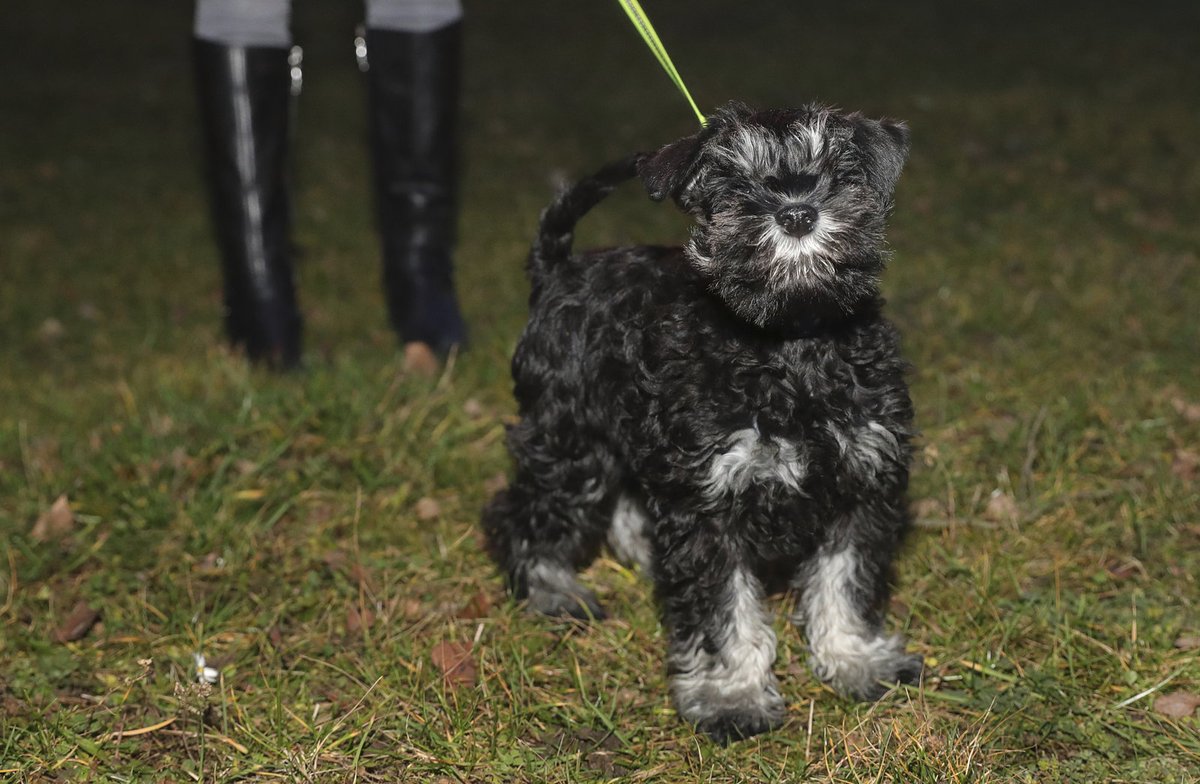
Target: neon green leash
[{"x": 636, "y": 15}]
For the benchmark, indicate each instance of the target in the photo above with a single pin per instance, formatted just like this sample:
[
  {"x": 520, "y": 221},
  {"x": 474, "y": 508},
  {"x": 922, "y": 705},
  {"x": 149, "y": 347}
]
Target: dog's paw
[
  {"x": 871, "y": 677},
  {"x": 906, "y": 669},
  {"x": 553, "y": 590},
  {"x": 727, "y": 716},
  {"x": 582, "y": 606},
  {"x": 909, "y": 669},
  {"x": 739, "y": 724}
]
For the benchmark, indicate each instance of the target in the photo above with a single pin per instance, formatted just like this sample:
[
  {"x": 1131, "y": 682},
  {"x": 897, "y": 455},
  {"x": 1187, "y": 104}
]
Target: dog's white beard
[{"x": 800, "y": 260}]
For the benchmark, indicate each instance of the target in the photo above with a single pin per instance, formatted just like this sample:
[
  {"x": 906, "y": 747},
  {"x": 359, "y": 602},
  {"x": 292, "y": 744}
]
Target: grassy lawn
[{"x": 315, "y": 535}]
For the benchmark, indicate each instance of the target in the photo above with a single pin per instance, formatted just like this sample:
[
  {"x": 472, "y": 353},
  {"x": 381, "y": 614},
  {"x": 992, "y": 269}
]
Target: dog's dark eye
[{"x": 792, "y": 183}]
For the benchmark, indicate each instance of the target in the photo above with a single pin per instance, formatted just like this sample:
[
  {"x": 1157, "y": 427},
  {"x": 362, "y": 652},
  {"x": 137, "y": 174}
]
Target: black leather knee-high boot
[
  {"x": 413, "y": 90},
  {"x": 244, "y": 97}
]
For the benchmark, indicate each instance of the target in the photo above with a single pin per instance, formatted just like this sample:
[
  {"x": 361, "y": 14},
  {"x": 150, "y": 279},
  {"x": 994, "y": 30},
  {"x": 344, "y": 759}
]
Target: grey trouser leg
[
  {"x": 244, "y": 22},
  {"x": 267, "y": 22},
  {"x": 412, "y": 16}
]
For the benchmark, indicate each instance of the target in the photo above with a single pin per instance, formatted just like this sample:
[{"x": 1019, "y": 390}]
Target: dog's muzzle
[{"x": 797, "y": 219}]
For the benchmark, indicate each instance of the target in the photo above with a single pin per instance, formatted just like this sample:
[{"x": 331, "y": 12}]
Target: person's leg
[
  {"x": 244, "y": 22},
  {"x": 413, "y": 52},
  {"x": 412, "y": 16},
  {"x": 243, "y": 82}
]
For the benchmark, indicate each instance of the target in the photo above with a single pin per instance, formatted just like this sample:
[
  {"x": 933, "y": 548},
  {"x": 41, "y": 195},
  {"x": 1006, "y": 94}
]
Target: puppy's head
[{"x": 789, "y": 205}]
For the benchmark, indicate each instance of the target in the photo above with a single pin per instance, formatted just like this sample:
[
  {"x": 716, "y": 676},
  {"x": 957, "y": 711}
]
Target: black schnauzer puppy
[{"x": 732, "y": 416}]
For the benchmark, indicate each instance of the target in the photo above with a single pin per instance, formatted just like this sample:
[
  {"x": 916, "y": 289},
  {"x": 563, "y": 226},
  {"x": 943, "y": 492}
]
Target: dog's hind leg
[
  {"x": 552, "y": 519},
  {"x": 629, "y": 535},
  {"x": 844, "y": 592}
]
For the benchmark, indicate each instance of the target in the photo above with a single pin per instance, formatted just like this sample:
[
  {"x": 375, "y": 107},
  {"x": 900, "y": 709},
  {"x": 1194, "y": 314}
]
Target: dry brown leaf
[
  {"x": 603, "y": 762},
  {"x": 357, "y": 620},
  {"x": 210, "y": 564},
  {"x": 1177, "y": 704},
  {"x": 308, "y": 442},
  {"x": 11, "y": 706},
  {"x": 76, "y": 626},
  {"x": 427, "y": 509},
  {"x": 930, "y": 512},
  {"x": 51, "y": 330},
  {"x": 927, "y": 507},
  {"x": 1187, "y": 642},
  {"x": 359, "y": 574},
  {"x": 1186, "y": 464},
  {"x": 54, "y": 523},
  {"x": 1186, "y": 409},
  {"x": 180, "y": 460},
  {"x": 412, "y": 609},
  {"x": 580, "y": 739},
  {"x": 1001, "y": 426},
  {"x": 1001, "y": 508},
  {"x": 454, "y": 662},
  {"x": 478, "y": 607},
  {"x": 161, "y": 424},
  {"x": 420, "y": 360}
]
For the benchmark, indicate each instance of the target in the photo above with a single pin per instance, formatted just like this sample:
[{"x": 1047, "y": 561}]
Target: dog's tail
[{"x": 556, "y": 230}]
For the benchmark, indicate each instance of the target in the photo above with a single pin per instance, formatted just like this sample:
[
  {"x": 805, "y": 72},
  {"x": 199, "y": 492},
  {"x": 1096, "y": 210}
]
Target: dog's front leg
[
  {"x": 721, "y": 644},
  {"x": 843, "y": 594}
]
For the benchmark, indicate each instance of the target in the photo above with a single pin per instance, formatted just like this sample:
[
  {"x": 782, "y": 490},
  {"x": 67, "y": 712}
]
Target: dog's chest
[
  {"x": 802, "y": 423},
  {"x": 696, "y": 402},
  {"x": 825, "y": 456}
]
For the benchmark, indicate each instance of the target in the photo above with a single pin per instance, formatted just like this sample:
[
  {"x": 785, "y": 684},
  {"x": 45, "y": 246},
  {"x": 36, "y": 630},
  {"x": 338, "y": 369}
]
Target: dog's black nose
[{"x": 797, "y": 219}]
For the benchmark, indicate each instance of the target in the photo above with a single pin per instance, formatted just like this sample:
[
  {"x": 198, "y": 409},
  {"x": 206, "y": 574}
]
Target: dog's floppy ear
[
  {"x": 665, "y": 171},
  {"x": 884, "y": 146},
  {"x": 674, "y": 168}
]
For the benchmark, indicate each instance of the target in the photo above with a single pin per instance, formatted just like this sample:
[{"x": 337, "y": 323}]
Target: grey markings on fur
[
  {"x": 751, "y": 458},
  {"x": 627, "y": 536}
]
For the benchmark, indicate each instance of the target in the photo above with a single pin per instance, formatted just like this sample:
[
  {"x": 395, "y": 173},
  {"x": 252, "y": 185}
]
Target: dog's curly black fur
[{"x": 732, "y": 415}]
